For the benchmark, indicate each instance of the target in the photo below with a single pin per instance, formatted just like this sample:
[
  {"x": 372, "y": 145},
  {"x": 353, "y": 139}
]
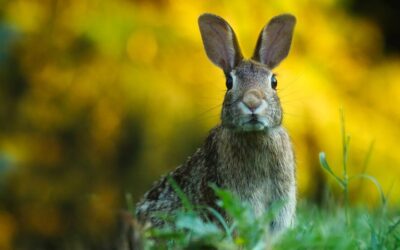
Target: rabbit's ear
[
  {"x": 273, "y": 44},
  {"x": 220, "y": 42}
]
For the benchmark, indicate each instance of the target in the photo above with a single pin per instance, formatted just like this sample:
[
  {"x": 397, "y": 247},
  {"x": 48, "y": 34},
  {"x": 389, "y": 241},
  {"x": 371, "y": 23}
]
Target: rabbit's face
[{"x": 251, "y": 102}]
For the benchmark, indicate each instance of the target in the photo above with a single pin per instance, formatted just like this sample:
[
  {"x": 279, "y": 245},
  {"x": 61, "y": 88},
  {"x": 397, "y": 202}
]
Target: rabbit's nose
[{"x": 252, "y": 99}]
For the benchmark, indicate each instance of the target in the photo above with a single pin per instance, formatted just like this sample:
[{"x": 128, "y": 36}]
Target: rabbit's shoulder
[{"x": 193, "y": 178}]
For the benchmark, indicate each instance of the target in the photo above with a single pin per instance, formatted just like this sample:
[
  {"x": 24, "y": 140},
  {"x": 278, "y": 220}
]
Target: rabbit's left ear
[
  {"x": 220, "y": 42},
  {"x": 273, "y": 44}
]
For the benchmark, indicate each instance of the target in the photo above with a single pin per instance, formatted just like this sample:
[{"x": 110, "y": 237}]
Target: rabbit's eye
[
  {"x": 229, "y": 82},
  {"x": 274, "y": 82}
]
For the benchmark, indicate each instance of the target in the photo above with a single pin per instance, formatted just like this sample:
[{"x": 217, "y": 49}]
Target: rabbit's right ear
[{"x": 220, "y": 42}]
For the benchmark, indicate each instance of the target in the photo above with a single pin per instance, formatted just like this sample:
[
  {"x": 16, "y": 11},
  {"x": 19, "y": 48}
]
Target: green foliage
[
  {"x": 315, "y": 229},
  {"x": 188, "y": 228},
  {"x": 344, "y": 180},
  {"x": 250, "y": 230},
  {"x": 327, "y": 229}
]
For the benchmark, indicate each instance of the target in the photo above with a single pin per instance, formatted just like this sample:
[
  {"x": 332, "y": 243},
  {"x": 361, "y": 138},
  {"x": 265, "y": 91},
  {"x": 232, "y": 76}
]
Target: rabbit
[{"x": 249, "y": 153}]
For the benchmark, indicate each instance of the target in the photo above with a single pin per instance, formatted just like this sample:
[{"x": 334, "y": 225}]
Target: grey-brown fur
[{"x": 250, "y": 153}]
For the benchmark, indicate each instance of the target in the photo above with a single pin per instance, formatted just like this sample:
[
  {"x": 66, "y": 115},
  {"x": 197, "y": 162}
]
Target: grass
[
  {"x": 334, "y": 227},
  {"x": 315, "y": 229}
]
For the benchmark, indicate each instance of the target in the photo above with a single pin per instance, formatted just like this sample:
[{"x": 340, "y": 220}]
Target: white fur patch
[
  {"x": 244, "y": 109},
  {"x": 234, "y": 80},
  {"x": 261, "y": 108}
]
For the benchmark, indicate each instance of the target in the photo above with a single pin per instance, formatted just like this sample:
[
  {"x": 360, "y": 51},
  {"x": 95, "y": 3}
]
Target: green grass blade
[
  {"x": 367, "y": 157},
  {"x": 222, "y": 221},
  {"x": 182, "y": 196},
  {"x": 393, "y": 227},
  {"x": 375, "y": 182},
  {"x": 325, "y": 165},
  {"x": 345, "y": 141}
]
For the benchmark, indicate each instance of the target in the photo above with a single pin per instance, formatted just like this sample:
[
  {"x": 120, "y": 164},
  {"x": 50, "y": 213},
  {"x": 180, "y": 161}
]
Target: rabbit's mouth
[{"x": 254, "y": 123}]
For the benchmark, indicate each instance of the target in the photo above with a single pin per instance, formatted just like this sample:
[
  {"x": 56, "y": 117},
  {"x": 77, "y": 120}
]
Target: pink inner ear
[
  {"x": 273, "y": 46},
  {"x": 219, "y": 42},
  {"x": 274, "y": 41}
]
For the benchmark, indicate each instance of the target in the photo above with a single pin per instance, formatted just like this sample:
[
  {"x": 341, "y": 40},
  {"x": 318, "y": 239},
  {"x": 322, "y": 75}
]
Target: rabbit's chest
[
  {"x": 251, "y": 183},
  {"x": 258, "y": 199},
  {"x": 258, "y": 193}
]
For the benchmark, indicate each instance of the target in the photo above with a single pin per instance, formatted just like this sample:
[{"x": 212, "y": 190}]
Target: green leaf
[
  {"x": 233, "y": 206},
  {"x": 196, "y": 225}
]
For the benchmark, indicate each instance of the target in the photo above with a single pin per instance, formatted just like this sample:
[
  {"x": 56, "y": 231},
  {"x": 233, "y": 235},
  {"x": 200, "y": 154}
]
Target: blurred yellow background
[{"x": 99, "y": 98}]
